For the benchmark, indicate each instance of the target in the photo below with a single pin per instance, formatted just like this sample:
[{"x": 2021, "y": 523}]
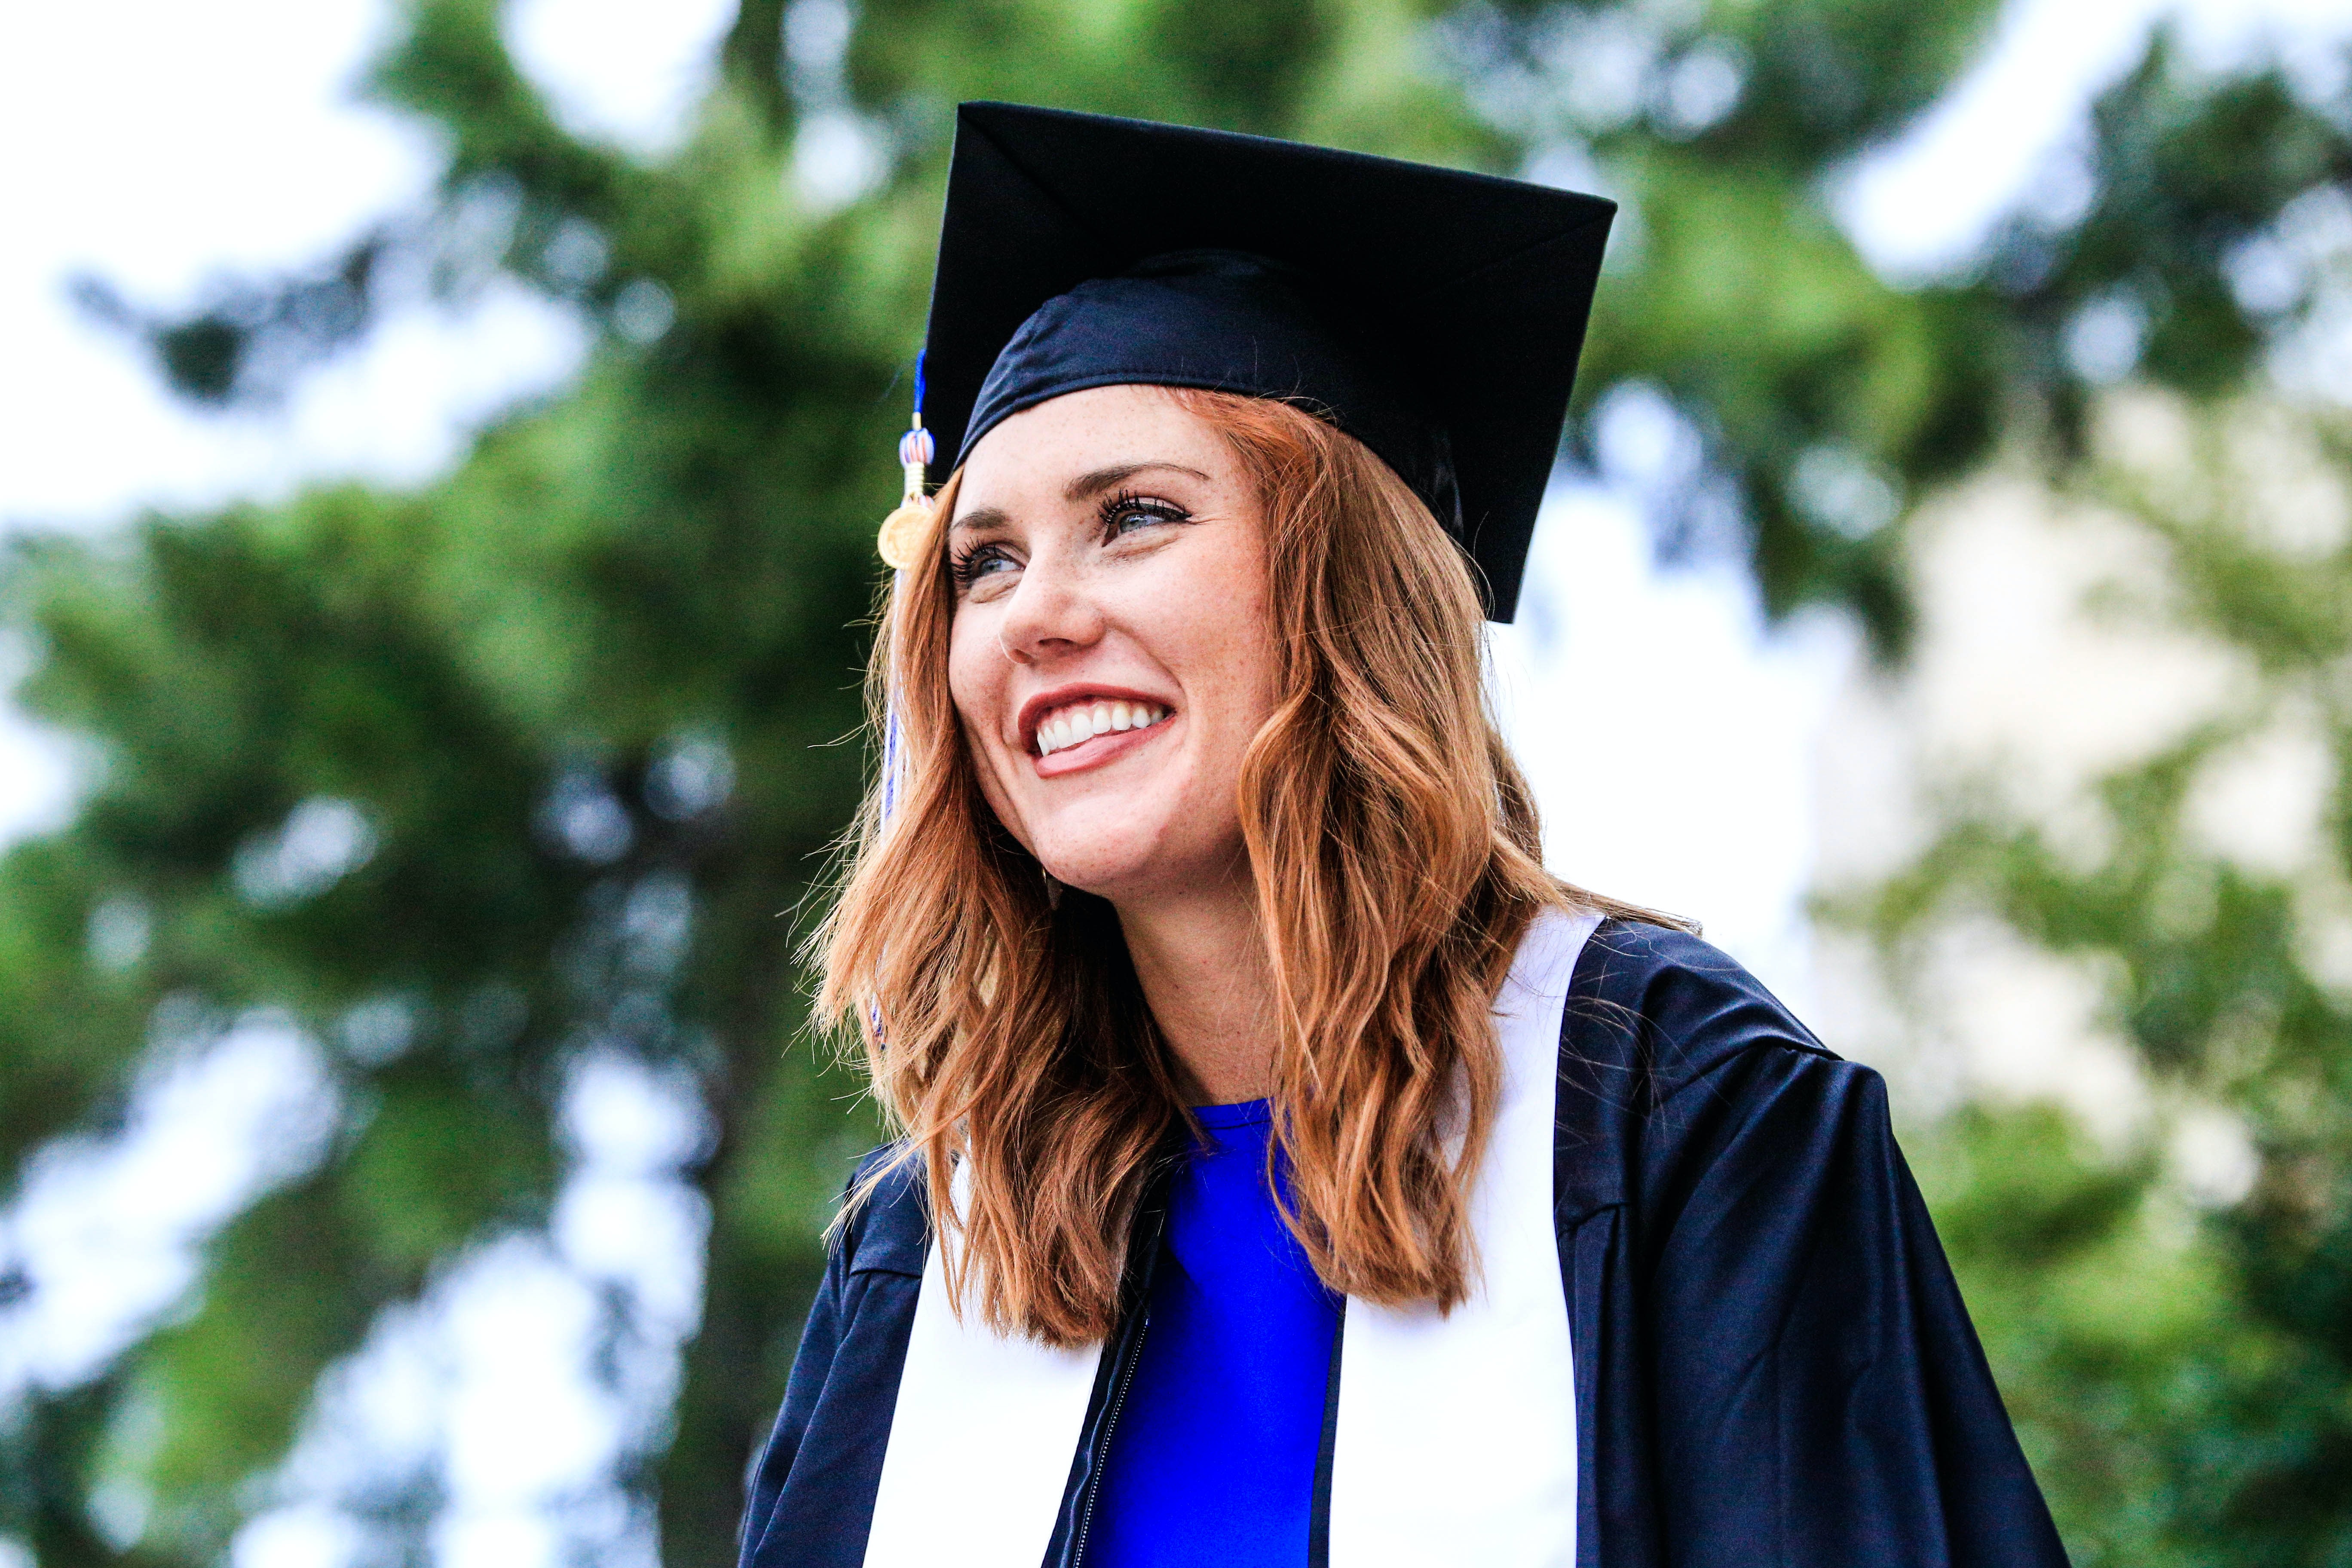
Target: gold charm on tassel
[
  {"x": 907, "y": 530},
  {"x": 903, "y": 531}
]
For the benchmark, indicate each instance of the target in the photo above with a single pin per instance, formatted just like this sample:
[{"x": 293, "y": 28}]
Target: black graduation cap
[{"x": 1433, "y": 314}]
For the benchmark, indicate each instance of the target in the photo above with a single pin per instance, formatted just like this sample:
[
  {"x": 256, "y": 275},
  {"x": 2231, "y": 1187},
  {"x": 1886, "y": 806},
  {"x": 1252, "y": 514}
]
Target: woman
[{"x": 1292, "y": 1171}]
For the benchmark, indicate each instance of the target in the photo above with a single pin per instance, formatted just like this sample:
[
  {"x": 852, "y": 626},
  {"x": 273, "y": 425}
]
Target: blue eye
[
  {"x": 1126, "y": 512},
  {"x": 981, "y": 560}
]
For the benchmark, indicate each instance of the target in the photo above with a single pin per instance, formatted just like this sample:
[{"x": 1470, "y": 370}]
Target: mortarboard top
[{"x": 1433, "y": 314}]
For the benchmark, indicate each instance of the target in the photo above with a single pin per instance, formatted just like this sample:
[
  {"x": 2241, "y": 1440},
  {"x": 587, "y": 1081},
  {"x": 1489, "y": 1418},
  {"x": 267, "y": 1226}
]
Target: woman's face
[{"x": 1112, "y": 654}]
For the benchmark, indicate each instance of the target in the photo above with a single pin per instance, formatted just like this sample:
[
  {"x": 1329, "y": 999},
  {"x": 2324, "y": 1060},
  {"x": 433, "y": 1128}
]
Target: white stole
[{"x": 1455, "y": 1439}]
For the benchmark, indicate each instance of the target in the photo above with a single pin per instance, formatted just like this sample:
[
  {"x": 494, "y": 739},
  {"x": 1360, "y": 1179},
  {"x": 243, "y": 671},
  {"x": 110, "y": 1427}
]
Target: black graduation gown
[{"x": 1774, "y": 1365}]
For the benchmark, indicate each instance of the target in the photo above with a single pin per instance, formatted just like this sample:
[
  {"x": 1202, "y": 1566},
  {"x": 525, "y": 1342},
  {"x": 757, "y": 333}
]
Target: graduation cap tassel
[
  {"x": 905, "y": 529},
  {"x": 901, "y": 537}
]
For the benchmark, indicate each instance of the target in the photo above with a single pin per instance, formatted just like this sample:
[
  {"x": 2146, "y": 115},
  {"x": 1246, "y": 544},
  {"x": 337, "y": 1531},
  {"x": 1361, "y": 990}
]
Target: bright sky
[
  {"x": 226, "y": 140},
  {"x": 2002, "y": 138}
]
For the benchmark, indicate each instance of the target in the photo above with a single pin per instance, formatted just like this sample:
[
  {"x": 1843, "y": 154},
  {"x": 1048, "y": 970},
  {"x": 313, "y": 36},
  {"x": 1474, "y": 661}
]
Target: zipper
[
  {"x": 1318, "y": 1514},
  {"x": 1102, "y": 1441},
  {"x": 1075, "y": 1521}
]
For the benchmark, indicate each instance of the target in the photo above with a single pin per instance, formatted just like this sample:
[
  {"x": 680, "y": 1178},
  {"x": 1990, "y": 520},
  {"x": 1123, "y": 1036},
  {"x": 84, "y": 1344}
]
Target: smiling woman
[
  {"x": 1298, "y": 615},
  {"x": 1291, "y": 1171}
]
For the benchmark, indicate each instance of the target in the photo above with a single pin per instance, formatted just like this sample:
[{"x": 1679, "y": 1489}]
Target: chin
[
  {"x": 1105, "y": 871},
  {"x": 1128, "y": 862}
]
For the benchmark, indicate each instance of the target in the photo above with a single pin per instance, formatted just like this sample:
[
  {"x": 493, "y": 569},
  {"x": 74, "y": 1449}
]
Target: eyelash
[
  {"x": 1152, "y": 506},
  {"x": 965, "y": 565}
]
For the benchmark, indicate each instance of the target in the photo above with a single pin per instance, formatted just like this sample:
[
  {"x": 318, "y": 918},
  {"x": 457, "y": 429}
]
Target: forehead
[{"x": 1041, "y": 449}]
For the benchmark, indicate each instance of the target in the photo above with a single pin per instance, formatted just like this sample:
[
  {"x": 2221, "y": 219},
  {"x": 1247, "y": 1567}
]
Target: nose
[{"x": 1050, "y": 614}]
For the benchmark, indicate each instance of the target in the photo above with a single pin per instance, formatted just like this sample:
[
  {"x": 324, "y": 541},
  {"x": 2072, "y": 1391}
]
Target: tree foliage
[
  {"x": 545, "y": 756},
  {"x": 2201, "y": 1363}
]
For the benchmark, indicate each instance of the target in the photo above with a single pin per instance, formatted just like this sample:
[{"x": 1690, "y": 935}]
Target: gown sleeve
[
  {"x": 1807, "y": 1385},
  {"x": 809, "y": 1499},
  {"x": 1823, "y": 1397}
]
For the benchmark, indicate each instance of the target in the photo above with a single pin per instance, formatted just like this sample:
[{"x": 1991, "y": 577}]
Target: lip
[{"x": 1087, "y": 753}]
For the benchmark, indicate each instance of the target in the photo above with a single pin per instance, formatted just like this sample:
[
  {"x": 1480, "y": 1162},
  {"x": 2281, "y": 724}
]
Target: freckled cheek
[
  {"x": 994, "y": 789},
  {"x": 976, "y": 687},
  {"x": 1225, "y": 661}
]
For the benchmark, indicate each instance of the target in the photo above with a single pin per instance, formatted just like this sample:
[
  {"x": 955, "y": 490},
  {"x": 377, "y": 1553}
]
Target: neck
[{"x": 1202, "y": 961}]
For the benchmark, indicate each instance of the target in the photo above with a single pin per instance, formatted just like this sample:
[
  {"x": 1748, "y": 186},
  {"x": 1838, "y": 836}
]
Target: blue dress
[{"x": 1212, "y": 1455}]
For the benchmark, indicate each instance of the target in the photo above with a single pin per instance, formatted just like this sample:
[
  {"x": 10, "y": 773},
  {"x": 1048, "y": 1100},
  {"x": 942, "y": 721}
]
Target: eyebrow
[
  {"x": 981, "y": 519},
  {"x": 1101, "y": 480}
]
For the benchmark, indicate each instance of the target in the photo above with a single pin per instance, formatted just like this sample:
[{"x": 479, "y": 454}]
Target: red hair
[{"x": 1394, "y": 850}]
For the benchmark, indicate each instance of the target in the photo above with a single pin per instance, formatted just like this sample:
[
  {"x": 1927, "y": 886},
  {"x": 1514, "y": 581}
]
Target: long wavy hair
[{"x": 1394, "y": 853}]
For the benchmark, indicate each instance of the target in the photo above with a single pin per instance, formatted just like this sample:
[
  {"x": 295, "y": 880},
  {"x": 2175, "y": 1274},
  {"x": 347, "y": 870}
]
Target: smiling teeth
[{"x": 1066, "y": 727}]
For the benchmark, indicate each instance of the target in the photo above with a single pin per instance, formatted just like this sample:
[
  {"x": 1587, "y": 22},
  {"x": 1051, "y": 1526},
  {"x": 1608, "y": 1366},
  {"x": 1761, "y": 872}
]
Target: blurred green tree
[
  {"x": 540, "y": 755},
  {"x": 2181, "y": 1362}
]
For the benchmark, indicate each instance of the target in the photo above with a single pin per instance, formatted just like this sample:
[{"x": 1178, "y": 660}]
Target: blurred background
[{"x": 440, "y": 445}]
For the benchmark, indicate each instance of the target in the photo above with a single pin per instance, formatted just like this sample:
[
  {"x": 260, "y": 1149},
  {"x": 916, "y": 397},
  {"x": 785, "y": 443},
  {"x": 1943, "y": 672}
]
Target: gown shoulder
[
  {"x": 1662, "y": 1008},
  {"x": 1776, "y": 1356},
  {"x": 888, "y": 1220}
]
